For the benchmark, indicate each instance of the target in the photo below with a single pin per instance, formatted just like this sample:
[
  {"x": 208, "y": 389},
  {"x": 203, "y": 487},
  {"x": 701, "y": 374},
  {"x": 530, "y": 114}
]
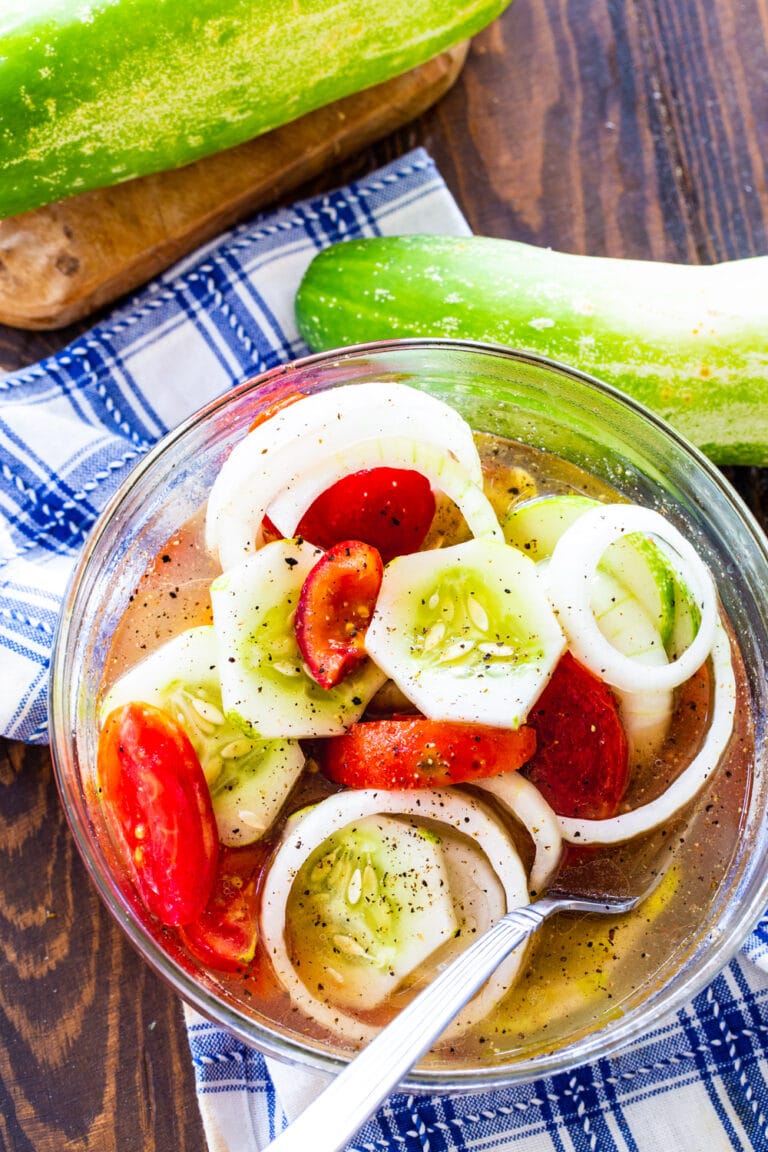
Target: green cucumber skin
[
  {"x": 688, "y": 341},
  {"x": 95, "y": 93}
]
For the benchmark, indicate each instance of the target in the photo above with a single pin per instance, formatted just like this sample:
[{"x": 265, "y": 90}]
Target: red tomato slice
[
  {"x": 412, "y": 752},
  {"x": 581, "y": 765},
  {"x": 159, "y": 806},
  {"x": 389, "y": 508},
  {"x": 335, "y": 608},
  {"x": 224, "y": 936}
]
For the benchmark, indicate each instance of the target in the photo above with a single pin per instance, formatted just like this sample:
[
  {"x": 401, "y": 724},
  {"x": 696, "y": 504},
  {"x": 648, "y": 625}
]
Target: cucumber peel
[
  {"x": 689, "y": 342},
  {"x": 95, "y": 93}
]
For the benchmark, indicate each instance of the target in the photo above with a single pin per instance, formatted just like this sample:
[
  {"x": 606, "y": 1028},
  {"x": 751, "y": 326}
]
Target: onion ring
[
  {"x": 461, "y": 812},
  {"x": 629, "y": 824},
  {"x": 569, "y": 575},
  {"x": 526, "y": 803}
]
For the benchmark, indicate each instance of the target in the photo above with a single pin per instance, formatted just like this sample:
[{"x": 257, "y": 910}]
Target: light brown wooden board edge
[{"x": 58, "y": 264}]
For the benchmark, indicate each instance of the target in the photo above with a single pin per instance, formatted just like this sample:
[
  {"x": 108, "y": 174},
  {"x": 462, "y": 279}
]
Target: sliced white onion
[
  {"x": 689, "y": 782},
  {"x": 480, "y": 901},
  {"x": 570, "y": 577},
  {"x": 646, "y": 718},
  {"x": 442, "y": 470},
  {"x": 523, "y": 799},
  {"x": 302, "y": 435},
  {"x": 625, "y": 623},
  {"x": 463, "y": 813}
]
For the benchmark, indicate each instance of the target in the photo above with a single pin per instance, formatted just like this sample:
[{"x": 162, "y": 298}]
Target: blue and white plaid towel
[{"x": 71, "y": 428}]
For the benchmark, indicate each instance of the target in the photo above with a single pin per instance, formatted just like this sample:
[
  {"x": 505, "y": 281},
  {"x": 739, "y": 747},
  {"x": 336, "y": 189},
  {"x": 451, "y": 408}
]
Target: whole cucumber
[
  {"x": 688, "y": 341},
  {"x": 93, "y": 92}
]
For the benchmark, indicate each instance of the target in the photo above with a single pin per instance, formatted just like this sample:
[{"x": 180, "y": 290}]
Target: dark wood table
[{"x": 628, "y": 128}]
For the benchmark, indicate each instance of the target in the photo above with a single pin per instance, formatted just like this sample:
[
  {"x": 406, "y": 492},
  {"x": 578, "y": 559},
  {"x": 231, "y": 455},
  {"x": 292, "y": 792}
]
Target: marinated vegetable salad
[{"x": 391, "y": 680}]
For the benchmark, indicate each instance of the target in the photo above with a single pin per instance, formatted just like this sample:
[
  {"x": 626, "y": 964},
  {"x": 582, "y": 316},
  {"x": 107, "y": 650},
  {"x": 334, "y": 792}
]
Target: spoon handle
[{"x": 330, "y": 1121}]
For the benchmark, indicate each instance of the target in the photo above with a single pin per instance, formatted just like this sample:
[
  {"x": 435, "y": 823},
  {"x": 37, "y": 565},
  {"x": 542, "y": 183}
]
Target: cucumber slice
[
  {"x": 265, "y": 688},
  {"x": 476, "y": 904},
  {"x": 624, "y": 622},
  {"x": 466, "y": 632},
  {"x": 535, "y": 526},
  {"x": 570, "y": 578},
  {"x": 640, "y": 563},
  {"x": 252, "y": 786},
  {"x": 622, "y": 619},
  {"x": 249, "y": 780},
  {"x": 369, "y": 905},
  {"x": 642, "y": 567}
]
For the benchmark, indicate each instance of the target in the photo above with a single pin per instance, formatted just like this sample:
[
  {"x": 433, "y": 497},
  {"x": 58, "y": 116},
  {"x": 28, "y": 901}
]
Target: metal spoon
[{"x": 330, "y": 1121}]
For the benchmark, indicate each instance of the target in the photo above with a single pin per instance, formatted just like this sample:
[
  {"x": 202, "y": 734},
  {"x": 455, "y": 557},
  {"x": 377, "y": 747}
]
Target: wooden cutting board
[{"x": 61, "y": 262}]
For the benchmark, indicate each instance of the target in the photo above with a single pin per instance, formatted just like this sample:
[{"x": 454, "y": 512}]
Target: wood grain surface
[{"x": 635, "y": 128}]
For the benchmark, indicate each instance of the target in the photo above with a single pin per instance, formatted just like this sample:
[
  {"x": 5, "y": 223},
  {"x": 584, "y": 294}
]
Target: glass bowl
[{"x": 503, "y": 392}]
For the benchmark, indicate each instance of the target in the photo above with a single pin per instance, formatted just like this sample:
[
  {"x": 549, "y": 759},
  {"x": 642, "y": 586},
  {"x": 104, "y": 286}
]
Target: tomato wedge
[
  {"x": 389, "y": 508},
  {"x": 413, "y": 752},
  {"x": 581, "y": 765},
  {"x": 224, "y": 936},
  {"x": 335, "y": 608},
  {"x": 159, "y": 806}
]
